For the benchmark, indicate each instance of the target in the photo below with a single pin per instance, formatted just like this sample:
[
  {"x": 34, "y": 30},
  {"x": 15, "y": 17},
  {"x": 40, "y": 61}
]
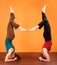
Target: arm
[
  {"x": 45, "y": 60},
  {"x": 14, "y": 25},
  {"x": 22, "y": 28},
  {"x": 18, "y": 26},
  {"x": 34, "y": 28},
  {"x": 7, "y": 58},
  {"x": 39, "y": 26},
  {"x": 45, "y": 54}
]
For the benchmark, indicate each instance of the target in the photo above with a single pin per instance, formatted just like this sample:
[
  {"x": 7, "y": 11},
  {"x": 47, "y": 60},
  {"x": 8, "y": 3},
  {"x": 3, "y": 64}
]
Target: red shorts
[{"x": 47, "y": 45}]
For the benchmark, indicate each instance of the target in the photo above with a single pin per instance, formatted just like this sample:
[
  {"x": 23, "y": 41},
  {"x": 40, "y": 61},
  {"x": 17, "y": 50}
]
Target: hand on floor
[{"x": 40, "y": 58}]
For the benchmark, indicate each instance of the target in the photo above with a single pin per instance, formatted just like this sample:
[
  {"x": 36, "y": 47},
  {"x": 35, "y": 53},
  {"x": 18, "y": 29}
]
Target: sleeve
[
  {"x": 41, "y": 24},
  {"x": 14, "y": 25}
]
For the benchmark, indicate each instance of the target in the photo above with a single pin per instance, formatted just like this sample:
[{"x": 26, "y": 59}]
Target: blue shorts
[{"x": 8, "y": 44}]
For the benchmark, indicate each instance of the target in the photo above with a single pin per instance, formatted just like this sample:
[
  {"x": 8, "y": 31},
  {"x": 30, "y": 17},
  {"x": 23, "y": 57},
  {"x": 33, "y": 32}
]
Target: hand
[
  {"x": 22, "y": 29},
  {"x": 34, "y": 28},
  {"x": 40, "y": 58},
  {"x": 15, "y": 58},
  {"x": 11, "y": 9}
]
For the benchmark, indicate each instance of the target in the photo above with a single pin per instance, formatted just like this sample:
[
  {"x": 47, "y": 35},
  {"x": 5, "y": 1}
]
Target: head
[{"x": 12, "y": 16}]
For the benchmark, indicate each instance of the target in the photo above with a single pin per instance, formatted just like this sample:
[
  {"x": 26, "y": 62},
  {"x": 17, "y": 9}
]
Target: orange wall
[{"x": 28, "y": 14}]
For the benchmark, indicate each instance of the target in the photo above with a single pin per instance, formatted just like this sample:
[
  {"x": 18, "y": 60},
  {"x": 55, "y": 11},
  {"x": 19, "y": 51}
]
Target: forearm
[
  {"x": 37, "y": 26},
  {"x": 20, "y": 27},
  {"x": 46, "y": 60},
  {"x": 9, "y": 60}
]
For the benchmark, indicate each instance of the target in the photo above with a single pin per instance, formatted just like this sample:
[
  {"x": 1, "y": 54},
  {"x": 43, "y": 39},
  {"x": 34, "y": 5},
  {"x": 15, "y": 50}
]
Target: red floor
[{"x": 29, "y": 59}]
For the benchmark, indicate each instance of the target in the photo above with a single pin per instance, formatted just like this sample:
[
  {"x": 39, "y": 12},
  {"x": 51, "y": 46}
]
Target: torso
[{"x": 10, "y": 32}]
